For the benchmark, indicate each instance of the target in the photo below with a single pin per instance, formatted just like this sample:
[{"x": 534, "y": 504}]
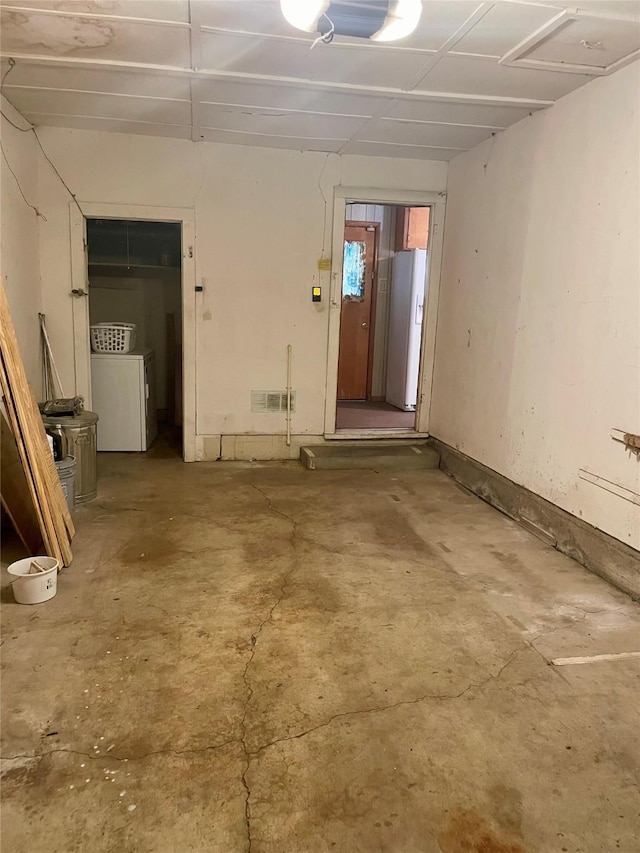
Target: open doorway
[
  {"x": 135, "y": 325},
  {"x": 384, "y": 281}
]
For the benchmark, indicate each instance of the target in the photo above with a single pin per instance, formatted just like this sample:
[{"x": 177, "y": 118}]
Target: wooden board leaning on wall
[{"x": 23, "y": 415}]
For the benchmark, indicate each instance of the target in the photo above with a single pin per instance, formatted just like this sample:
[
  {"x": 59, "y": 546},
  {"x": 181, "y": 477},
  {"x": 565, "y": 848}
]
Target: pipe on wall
[{"x": 288, "y": 395}]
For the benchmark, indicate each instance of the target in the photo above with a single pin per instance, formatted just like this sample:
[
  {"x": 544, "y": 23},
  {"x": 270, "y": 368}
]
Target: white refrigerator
[
  {"x": 123, "y": 396},
  {"x": 406, "y": 307}
]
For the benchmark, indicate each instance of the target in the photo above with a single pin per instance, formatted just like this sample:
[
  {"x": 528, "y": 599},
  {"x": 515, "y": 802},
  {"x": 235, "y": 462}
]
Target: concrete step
[{"x": 365, "y": 454}]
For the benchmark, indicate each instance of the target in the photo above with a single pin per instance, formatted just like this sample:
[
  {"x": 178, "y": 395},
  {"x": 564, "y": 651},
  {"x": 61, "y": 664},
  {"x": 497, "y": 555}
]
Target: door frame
[
  {"x": 374, "y": 296},
  {"x": 79, "y": 281},
  {"x": 372, "y": 195}
]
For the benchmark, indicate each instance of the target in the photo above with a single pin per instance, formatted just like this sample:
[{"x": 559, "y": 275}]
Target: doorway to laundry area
[
  {"x": 382, "y": 306},
  {"x": 135, "y": 323},
  {"x": 135, "y": 264}
]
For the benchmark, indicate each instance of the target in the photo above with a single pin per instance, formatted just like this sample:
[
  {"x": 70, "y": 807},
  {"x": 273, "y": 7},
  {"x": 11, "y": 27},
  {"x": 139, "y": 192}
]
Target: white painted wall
[
  {"x": 537, "y": 352},
  {"x": 260, "y": 220},
  {"x": 19, "y": 240},
  {"x": 385, "y": 216}
]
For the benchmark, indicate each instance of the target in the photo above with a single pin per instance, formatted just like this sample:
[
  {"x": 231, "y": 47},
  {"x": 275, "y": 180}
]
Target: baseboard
[
  {"x": 236, "y": 448},
  {"x": 599, "y": 552},
  {"x": 262, "y": 448}
]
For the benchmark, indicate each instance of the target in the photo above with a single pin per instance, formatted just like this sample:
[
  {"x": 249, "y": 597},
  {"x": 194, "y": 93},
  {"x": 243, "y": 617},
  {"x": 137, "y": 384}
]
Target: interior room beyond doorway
[
  {"x": 385, "y": 267},
  {"x": 135, "y": 315}
]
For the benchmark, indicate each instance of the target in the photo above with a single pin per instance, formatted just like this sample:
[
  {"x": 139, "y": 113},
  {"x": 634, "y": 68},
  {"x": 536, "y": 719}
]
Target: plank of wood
[
  {"x": 16, "y": 495},
  {"x": 28, "y": 430},
  {"x": 43, "y": 513},
  {"x": 594, "y": 658}
]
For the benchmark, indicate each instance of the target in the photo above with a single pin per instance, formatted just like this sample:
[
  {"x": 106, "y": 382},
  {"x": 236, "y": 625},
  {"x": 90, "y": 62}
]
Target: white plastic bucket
[{"x": 33, "y": 589}]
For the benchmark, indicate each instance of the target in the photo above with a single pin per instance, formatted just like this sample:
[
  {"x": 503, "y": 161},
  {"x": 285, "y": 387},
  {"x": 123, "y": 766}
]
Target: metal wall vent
[{"x": 271, "y": 401}]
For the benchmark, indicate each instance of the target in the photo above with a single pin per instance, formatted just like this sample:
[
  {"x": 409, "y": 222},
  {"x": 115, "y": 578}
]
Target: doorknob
[
  {"x": 79, "y": 292},
  {"x": 364, "y": 325}
]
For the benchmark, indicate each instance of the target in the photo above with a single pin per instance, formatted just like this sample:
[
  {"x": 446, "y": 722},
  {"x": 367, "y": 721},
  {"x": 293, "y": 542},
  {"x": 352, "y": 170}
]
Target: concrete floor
[{"x": 267, "y": 659}]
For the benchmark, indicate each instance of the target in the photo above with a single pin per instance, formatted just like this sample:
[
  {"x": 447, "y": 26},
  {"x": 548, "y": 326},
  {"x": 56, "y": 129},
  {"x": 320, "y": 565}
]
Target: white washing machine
[{"x": 123, "y": 397}]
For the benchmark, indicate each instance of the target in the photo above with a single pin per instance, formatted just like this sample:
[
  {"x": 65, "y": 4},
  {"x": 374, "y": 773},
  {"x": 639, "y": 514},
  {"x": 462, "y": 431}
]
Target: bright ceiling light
[
  {"x": 304, "y": 14},
  {"x": 402, "y": 20},
  {"x": 381, "y": 20}
]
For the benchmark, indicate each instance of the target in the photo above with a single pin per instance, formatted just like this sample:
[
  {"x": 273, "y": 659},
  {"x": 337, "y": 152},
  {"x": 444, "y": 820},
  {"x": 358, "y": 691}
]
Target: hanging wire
[
  {"x": 327, "y": 37},
  {"x": 15, "y": 177},
  {"x": 12, "y": 65},
  {"x": 324, "y": 201},
  {"x": 31, "y": 129},
  {"x": 61, "y": 179}
]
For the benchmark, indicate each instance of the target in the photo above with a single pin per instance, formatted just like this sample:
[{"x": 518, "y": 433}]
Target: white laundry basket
[
  {"x": 113, "y": 337},
  {"x": 33, "y": 589}
]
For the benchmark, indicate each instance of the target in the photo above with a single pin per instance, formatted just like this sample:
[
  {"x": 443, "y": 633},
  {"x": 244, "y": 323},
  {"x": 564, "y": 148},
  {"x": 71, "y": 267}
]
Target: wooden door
[
  {"x": 356, "y": 339},
  {"x": 412, "y": 228}
]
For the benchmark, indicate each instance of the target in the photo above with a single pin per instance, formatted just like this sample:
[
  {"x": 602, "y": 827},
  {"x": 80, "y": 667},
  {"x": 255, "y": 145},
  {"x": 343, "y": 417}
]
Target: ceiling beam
[
  {"x": 111, "y": 125},
  {"x": 195, "y": 45},
  {"x": 234, "y": 107},
  {"x": 211, "y": 75},
  {"x": 412, "y": 145},
  {"x": 70, "y": 13},
  {"x": 346, "y": 44},
  {"x": 19, "y": 87}
]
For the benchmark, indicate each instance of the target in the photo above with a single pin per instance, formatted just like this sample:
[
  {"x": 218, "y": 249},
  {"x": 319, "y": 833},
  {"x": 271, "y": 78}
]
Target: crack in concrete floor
[
  {"x": 113, "y": 757},
  {"x": 382, "y": 708},
  {"x": 284, "y": 582},
  {"x": 279, "y": 590},
  {"x": 568, "y": 627},
  {"x": 253, "y": 752},
  {"x": 254, "y": 642}
]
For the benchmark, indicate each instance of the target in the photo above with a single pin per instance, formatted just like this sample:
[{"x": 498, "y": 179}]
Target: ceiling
[{"x": 234, "y": 71}]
